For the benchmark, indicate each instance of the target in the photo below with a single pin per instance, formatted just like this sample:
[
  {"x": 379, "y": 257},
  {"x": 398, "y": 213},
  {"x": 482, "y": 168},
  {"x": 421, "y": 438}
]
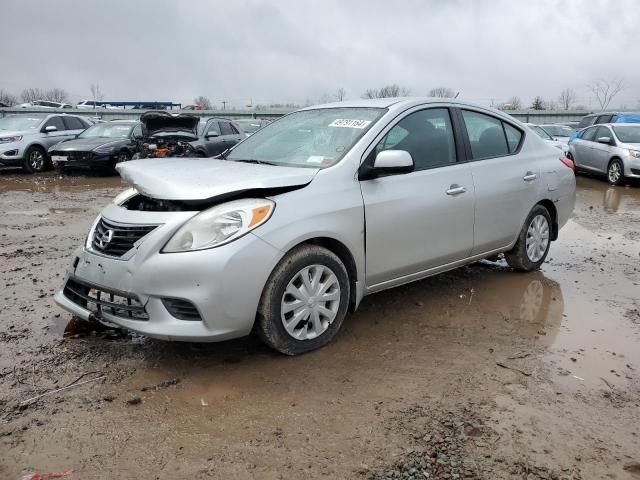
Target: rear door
[
  {"x": 230, "y": 133},
  {"x": 424, "y": 219},
  {"x": 74, "y": 125},
  {"x": 506, "y": 181}
]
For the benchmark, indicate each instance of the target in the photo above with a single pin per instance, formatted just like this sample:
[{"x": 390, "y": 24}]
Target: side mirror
[
  {"x": 388, "y": 162},
  {"x": 50, "y": 128},
  {"x": 605, "y": 140},
  {"x": 212, "y": 134}
]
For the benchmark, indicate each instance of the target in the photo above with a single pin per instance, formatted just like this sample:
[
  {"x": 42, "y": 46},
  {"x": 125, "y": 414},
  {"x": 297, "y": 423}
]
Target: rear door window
[
  {"x": 486, "y": 135},
  {"x": 604, "y": 119},
  {"x": 73, "y": 123}
]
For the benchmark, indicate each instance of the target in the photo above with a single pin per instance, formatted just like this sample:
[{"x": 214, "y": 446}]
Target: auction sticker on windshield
[{"x": 348, "y": 123}]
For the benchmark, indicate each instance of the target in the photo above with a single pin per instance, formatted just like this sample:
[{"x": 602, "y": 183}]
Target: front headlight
[
  {"x": 634, "y": 153},
  {"x": 15, "y": 138},
  {"x": 103, "y": 150},
  {"x": 124, "y": 196},
  {"x": 220, "y": 225}
]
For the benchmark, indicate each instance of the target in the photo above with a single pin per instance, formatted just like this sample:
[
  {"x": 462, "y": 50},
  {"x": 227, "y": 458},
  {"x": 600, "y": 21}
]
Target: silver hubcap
[
  {"x": 532, "y": 301},
  {"x": 537, "y": 238},
  {"x": 614, "y": 172},
  {"x": 310, "y": 302},
  {"x": 36, "y": 159}
]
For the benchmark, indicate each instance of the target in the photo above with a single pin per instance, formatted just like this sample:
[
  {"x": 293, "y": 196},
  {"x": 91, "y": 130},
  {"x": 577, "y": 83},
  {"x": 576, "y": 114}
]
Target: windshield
[
  {"x": 541, "y": 133},
  {"x": 310, "y": 138},
  {"x": 628, "y": 133},
  {"x": 558, "y": 130},
  {"x": 248, "y": 126},
  {"x": 109, "y": 130},
  {"x": 20, "y": 122}
]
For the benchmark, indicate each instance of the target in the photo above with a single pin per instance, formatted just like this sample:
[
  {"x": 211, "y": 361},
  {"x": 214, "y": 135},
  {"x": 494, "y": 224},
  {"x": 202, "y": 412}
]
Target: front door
[
  {"x": 423, "y": 219},
  {"x": 601, "y": 152}
]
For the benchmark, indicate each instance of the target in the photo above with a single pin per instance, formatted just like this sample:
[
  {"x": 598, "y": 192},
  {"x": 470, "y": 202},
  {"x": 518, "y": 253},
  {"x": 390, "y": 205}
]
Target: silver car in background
[
  {"x": 26, "y": 139},
  {"x": 297, "y": 223},
  {"x": 611, "y": 149}
]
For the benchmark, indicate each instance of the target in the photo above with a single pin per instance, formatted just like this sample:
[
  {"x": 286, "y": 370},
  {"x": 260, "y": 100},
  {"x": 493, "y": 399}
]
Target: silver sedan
[
  {"x": 610, "y": 149},
  {"x": 288, "y": 231}
]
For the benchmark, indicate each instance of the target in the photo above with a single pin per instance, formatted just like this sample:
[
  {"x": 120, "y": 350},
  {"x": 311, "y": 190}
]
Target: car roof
[
  {"x": 403, "y": 103},
  {"x": 621, "y": 124},
  {"x": 124, "y": 121}
]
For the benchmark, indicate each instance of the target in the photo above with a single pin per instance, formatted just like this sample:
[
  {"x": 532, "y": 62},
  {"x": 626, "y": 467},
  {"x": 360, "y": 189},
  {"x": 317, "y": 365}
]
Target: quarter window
[
  {"x": 513, "y": 137},
  {"x": 427, "y": 135},
  {"x": 486, "y": 135}
]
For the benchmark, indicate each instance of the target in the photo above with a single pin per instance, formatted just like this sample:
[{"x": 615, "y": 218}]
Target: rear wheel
[
  {"x": 35, "y": 160},
  {"x": 532, "y": 246},
  {"x": 615, "y": 172},
  {"x": 304, "y": 302}
]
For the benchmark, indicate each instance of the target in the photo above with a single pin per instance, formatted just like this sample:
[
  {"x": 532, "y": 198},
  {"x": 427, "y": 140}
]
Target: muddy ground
[{"x": 477, "y": 373}]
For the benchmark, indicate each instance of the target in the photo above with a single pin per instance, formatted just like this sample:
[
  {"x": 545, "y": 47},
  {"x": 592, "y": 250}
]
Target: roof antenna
[{"x": 457, "y": 95}]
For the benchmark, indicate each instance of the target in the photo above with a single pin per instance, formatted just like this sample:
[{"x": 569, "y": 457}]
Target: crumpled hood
[
  {"x": 88, "y": 144},
  {"x": 164, "y": 122},
  {"x": 205, "y": 178}
]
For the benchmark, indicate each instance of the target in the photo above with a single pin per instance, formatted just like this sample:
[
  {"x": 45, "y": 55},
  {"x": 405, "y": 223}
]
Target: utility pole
[{"x": 224, "y": 104}]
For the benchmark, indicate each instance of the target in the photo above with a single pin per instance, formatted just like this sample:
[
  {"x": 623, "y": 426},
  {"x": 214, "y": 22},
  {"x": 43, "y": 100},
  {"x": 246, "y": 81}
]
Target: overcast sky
[{"x": 296, "y": 51}]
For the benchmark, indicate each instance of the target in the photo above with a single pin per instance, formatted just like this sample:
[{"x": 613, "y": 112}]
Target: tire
[
  {"x": 615, "y": 172},
  {"x": 123, "y": 156},
  {"x": 35, "y": 160},
  {"x": 313, "y": 328},
  {"x": 532, "y": 246}
]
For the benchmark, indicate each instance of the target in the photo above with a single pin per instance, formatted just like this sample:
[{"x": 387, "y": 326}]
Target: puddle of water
[{"x": 52, "y": 182}]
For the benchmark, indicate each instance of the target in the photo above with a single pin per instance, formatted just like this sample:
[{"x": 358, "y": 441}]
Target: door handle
[
  {"x": 529, "y": 177},
  {"x": 456, "y": 189}
]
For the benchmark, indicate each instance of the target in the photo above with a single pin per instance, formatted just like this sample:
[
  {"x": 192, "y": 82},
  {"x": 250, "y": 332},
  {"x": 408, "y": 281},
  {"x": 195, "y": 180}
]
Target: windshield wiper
[{"x": 251, "y": 160}]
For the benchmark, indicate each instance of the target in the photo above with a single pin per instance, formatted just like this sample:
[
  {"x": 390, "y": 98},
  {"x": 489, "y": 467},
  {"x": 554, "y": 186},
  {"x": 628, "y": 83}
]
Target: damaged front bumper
[{"x": 200, "y": 296}]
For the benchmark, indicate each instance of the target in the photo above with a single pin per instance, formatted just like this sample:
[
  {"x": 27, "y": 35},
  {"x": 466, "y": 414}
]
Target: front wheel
[
  {"x": 35, "y": 160},
  {"x": 304, "y": 301},
  {"x": 615, "y": 172},
  {"x": 532, "y": 246}
]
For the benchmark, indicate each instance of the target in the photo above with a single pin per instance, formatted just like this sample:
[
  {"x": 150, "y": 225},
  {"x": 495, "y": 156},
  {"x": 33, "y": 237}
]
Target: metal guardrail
[
  {"x": 527, "y": 116},
  {"x": 131, "y": 114}
]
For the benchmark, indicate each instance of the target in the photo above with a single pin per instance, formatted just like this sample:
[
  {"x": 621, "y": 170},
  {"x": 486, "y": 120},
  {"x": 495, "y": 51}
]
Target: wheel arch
[
  {"x": 551, "y": 208},
  {"x": 346, "y": 257}
]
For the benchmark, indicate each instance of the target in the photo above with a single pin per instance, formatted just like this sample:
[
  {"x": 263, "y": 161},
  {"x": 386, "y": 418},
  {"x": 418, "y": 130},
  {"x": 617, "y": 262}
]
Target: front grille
[
  {"x": 99, "y": 300},
  {"x": 181, "y": 309},
  {"x": 78, "y": 156},
  {"x": 116, "y": 239}
]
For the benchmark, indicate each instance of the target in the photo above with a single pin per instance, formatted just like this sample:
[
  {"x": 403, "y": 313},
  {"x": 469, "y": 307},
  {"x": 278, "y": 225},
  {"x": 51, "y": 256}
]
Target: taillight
[{"x": 568, "y": 162}]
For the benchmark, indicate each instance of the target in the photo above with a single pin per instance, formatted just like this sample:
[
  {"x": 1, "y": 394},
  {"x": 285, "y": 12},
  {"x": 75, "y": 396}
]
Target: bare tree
[
  {"x": 386, "y": 92},
  {"x": 204, "y": 102},
  {"x": 340, "y": 94},
  {"x": 96, "y": 93},
  {"x": 441, "y": 92},
  {"x": 606, "y": 90},
  {"x": 550, "y": 105},
  {"x": 567, "y": 98},
  {"x": 31, "y": 94},
  {"x": 514, "y": 103},
  {"x": 325, "y": 98},
  {"x": 7, "y": 98},
  {"x": 538, "y": 103},
  {"x": 56, "y": 95}
]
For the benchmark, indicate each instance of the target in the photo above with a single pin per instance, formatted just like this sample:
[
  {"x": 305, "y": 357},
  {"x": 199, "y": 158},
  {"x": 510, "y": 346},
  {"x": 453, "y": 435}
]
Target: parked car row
[{"x": 39, "y": 142}]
